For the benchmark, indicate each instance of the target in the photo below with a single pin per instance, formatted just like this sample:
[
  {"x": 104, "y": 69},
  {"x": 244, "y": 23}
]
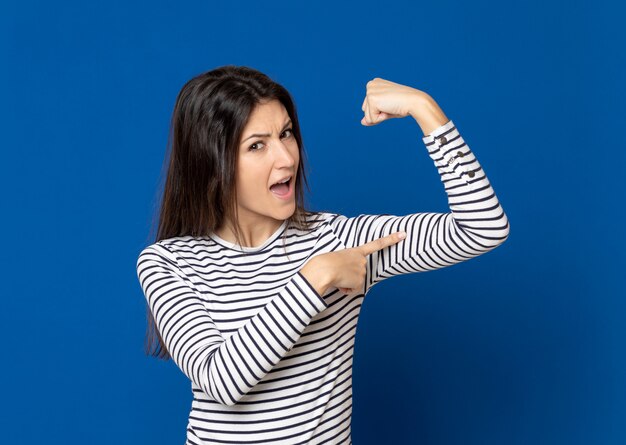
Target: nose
[{"x": 283, "y": 156}]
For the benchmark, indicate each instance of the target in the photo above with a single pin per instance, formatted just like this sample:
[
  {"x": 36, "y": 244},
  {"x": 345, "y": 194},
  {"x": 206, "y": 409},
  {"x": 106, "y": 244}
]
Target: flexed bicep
[{"x": 475, "y": 224}]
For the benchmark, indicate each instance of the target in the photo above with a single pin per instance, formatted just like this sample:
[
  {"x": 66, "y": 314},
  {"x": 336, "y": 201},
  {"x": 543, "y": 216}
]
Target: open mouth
[{"x": 282, "y": 189}]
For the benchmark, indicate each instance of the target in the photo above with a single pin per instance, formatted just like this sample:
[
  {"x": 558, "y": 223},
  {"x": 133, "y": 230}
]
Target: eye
[{"x": 252, "y": 146}]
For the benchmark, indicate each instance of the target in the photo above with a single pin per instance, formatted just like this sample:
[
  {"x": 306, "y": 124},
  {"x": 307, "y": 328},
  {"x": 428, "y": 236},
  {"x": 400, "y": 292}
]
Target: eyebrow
[{"x": 265, "y": 135}]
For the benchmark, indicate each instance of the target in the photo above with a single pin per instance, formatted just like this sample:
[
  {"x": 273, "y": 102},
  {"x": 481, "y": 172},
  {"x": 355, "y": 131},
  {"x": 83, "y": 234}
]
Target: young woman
[{"x": 255, "y": 298}]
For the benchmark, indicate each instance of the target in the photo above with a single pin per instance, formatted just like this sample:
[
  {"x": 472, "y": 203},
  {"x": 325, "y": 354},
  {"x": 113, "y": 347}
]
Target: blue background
[{"x": 523, "y": 345}]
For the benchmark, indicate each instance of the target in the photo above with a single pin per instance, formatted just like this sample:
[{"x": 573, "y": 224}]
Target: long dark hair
[{"x": 199, "y": 195}]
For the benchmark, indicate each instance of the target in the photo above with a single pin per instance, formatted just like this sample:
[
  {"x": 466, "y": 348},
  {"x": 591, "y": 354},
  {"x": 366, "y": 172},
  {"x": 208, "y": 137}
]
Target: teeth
[{"x": 286, "y": 179}]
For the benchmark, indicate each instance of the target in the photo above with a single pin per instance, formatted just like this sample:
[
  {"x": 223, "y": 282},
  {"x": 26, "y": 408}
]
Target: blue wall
[{"x": 524, "y": 345}]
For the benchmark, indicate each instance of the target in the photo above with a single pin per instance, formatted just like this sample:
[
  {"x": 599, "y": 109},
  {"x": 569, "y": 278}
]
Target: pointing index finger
[{"x": 381, "y": 243}]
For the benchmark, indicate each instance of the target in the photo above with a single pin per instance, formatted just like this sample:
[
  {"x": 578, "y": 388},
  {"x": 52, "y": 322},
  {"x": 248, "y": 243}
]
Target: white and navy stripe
[{"x": 269, "y": 359}]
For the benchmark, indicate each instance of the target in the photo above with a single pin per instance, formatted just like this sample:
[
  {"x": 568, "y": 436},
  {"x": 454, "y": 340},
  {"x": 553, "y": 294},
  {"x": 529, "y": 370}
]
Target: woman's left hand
[{"x": 386, "y": 100}]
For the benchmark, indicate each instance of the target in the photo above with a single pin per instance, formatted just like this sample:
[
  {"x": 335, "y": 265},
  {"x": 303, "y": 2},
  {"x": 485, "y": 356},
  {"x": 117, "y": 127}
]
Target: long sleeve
[
  {"x": 224, "y": 368},
  {"x": 476, "y": 223}
]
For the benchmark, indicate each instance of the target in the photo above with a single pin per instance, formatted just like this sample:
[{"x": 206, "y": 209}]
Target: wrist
[
  {"x": 316, "y": 275},
  {"x": 427, "y": 113}
]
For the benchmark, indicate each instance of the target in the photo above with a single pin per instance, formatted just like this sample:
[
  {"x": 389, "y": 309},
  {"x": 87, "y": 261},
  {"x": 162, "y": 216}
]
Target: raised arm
[
  {"x": 225, "y": 369},
  {"x": 475, "y": 224}
]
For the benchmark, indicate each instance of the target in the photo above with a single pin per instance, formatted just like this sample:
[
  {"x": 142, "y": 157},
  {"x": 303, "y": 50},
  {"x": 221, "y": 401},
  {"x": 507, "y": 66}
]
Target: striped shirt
[{"x": 269, "y": 359}]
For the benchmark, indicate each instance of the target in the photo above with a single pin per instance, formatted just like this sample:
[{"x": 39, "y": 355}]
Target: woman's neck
[{"x": 253, "y": 234}]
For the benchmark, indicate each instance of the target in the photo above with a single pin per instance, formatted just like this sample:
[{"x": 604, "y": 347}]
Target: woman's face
[{"x": 268, "y": 153}]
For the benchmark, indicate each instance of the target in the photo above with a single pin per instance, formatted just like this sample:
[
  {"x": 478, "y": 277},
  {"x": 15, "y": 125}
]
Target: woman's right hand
[{"x": 345, "y": 269}]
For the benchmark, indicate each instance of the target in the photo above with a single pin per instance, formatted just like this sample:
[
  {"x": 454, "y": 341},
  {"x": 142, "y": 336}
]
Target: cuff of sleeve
[
  {"x": 309, "y": 291},
  {"x": 451, "y": 155},
  {"x": 297, "y": 304},
  {"x": 442, "y": 130}
]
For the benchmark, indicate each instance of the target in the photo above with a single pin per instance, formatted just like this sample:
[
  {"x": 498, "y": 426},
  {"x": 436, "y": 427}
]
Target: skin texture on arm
[{"x": 427, "y": 113}]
